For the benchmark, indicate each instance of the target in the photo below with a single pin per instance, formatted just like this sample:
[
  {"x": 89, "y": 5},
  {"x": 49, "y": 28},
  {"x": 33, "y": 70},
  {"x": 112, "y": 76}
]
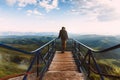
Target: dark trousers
[{"x": 63, "y": 44}]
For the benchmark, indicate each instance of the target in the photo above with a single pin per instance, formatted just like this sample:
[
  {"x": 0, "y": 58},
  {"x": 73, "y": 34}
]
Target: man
[{"x": 63, "y": 36}]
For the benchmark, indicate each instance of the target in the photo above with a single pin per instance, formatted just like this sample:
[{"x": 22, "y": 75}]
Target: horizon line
[{"x": 1, "y": 33}]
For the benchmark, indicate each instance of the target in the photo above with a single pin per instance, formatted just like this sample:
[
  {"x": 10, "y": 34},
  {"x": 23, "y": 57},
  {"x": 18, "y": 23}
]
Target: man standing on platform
[{"x": 63, "y": 36}]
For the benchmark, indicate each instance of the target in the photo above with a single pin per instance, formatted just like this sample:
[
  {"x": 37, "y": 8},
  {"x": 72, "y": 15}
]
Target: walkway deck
[{"x": 63, "y": 67}]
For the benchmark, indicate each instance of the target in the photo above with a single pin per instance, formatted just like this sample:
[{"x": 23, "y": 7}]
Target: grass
[
  {"x": 113, "y": 63},
  {"x": 9, "y": 69},
  {"x": 27, "y": 47},
  {"x": 10, "y": 62},
  {"x": 108, "y": 66}
]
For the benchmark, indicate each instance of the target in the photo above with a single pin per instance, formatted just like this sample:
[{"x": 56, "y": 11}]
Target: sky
[{"x": 78, "y": 16}]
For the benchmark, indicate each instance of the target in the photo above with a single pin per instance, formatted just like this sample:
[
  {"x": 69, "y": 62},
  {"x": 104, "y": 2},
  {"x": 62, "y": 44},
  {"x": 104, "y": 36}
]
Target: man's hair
[{"x": 63, "y": 27}]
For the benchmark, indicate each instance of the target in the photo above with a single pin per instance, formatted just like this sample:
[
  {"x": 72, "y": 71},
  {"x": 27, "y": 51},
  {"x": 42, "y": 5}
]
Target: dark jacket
[{"x": 63, "y": 35}]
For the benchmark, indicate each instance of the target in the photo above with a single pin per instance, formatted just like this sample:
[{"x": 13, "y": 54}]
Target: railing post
[
  {"x": 38, "y": 58},
  {"x": 72, "y": 45},
  {"x": 89, "y": 57},
  {"x": 85, "y": 58},
  {"x": 48, "y": 47},
  {"x": 42, "y": 57},
  {"x": 33, "y": 61},
  {"x": 97, "y": 67},
  {"x": 79, "y": 48},
  {"x": 55, "y": 44}
]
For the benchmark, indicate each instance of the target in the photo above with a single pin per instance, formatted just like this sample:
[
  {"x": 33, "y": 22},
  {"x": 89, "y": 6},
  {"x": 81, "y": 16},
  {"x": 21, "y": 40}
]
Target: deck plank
[{"x": 63, "y": 67}]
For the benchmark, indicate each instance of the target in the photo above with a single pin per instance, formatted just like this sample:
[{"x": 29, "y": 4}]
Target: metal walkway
[{"x": 63, "y": 67}]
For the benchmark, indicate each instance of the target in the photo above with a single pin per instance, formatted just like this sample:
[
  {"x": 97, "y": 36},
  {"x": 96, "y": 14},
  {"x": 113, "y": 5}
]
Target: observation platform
[{"x": 63, "y": 67}]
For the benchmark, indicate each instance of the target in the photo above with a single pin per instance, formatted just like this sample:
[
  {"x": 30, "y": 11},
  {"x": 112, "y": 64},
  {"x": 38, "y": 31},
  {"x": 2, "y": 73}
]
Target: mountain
[
  {"x": 101, "y": 42},
  {"x": 27, "y": 33}
]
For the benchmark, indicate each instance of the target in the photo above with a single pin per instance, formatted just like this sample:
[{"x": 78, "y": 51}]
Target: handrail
[
  {"x": 93, "y": 50},
  {"x": 89, "y": 57},
  {"x": 37, "y": 57},
  {"x": 40, "y": 60},
  {"x": 109, "y": 49},
  {"x": 43, "y": 46},
  {"x": 99, "y": 51},
  {"x": 13, "y": 48},
  {"x": 23, "y": 51}
]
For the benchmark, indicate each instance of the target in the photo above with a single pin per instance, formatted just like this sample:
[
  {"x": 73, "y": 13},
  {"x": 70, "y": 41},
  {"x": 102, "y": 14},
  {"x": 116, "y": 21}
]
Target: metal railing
[
  {"x": 41, "y": 60},
  {"x": 39, "y": 63},
  {"x": 85, "y": 59},
  {"x": 14, "y": 49}
]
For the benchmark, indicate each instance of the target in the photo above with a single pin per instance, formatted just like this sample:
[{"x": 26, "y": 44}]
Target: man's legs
[{"x": 63, "y": 45}]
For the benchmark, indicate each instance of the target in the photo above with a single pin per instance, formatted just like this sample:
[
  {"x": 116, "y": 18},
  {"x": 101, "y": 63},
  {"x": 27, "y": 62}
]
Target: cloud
[
  {"x": 34, "y": 12},
  {"x": 11, "y": 2},
  {"x": 49, "y": 4},
  {"x": 29, "y": 12},
  {"x": 21, "y": 3},
  {"x": 19, "y": 8},
  {"x": 102, "y": 10},
  {"x": 64, "y": 1}
]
